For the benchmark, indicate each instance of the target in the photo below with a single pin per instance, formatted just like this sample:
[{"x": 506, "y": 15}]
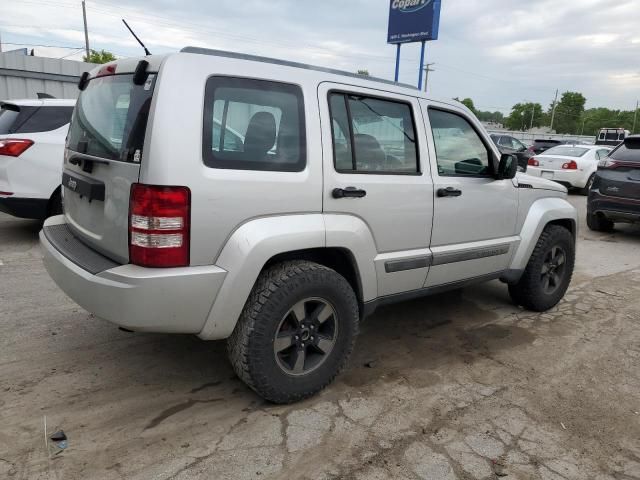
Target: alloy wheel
[{"x": 305, "y": 336}]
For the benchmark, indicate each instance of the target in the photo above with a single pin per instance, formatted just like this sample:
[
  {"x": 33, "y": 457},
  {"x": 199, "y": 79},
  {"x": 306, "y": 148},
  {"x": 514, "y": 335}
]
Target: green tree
[
  {"x": 364, "y": 72},
  {"x": 569, "y": 111},
  {"x": 521, "y": 118},
  {"x": 495, "y": 117},
  {"x": 594, "y": 119},
  {"x": 467, "y": 102},
  {"x": 99, "y": 57}
]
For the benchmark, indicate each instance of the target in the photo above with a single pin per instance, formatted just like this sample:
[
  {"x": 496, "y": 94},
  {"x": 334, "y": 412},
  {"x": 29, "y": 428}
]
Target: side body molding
[
  {"x": 244, "y": 255},
  {"x": 540, "y": 213}
]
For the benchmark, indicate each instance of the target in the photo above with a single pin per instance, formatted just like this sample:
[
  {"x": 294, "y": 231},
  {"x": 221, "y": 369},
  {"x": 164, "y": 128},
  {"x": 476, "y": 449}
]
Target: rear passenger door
[
  {"x": 474, "y": 214},
  {"x": 376, "y": 169}
]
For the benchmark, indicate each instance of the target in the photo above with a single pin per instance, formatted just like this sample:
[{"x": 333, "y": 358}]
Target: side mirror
[{"x": 507, "y": 167}]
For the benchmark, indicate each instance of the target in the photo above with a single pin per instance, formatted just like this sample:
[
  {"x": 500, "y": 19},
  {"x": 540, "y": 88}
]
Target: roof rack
[{"x": 286, "y": 63}]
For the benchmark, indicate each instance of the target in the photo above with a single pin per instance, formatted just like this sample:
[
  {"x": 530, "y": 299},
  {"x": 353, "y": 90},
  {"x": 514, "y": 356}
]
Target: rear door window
[
  {"x": 110, "y": 118},
  {"x": 372, "y": 135},
  {"x": 45, "y": 119},
  {"x": 253, "y": 125}
]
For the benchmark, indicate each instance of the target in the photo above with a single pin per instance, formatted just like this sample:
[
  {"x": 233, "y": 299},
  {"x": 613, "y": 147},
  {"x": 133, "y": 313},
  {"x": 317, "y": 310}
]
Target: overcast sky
[{"x": 498, "y": 52}]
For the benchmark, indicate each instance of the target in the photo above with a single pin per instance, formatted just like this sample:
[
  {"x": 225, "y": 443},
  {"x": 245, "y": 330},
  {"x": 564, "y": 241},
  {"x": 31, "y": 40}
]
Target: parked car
[
  {"x": 573, "y": 166},
  {"x": 322, "y": 196},
  {"x": 509, "y": 144},
  {"x": 615, "y": 193},
  {"x": 32, "y": 135},
  {"x": 611, "y": 136},
  {"x": 540, "y": 145}
]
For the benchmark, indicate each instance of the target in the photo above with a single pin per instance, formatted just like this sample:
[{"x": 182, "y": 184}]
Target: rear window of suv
[
  {"x": 627, "y": 152},
  {"x": 110, "y": 118},
  {"x": 253, "y": 125},
  {"x": 30, "y": 119}
]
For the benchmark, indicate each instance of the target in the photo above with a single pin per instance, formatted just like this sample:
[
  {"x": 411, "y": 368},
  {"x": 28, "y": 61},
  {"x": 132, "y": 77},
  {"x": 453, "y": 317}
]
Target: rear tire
[
  {"x": 55, "y": 204},
  {"x": 295, "y": 307},
  {"x": 548, "y": 273},
  {"x": 587, "y": 187},
  {"x": 598, "y": 223}
]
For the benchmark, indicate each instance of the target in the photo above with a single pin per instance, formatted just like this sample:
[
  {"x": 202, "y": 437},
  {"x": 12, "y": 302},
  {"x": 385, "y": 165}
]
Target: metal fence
[
  {"x": 528, "y": 137},
  {"x": 24, "y": 76}
]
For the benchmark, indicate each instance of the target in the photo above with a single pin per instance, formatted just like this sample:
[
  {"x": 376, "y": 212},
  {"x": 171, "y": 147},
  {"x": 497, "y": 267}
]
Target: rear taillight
[
  {"x": 607, "y": 163},
  {"x": 572, "y": 165},
  {"x": 14, "y": 147},
  {"x": 159, "y": 225},
  {"x": 532, "y": 162}
]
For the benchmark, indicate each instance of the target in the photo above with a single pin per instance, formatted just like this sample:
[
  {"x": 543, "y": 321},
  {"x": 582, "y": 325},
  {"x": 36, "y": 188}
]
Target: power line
[{"x": 39, "y": 45}]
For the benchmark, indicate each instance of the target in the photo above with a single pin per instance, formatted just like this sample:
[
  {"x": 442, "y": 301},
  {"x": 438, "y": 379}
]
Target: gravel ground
[{"x": 459, "y": 386}]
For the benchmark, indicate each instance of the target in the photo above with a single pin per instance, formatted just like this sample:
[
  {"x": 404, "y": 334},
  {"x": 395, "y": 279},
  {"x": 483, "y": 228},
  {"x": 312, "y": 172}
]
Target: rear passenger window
[
  {"x": 372, "y": 135},
  {"x": 253, "y": 125},
  {"x": 459, "y": 149},
  {"x": 46, "y": 119}
]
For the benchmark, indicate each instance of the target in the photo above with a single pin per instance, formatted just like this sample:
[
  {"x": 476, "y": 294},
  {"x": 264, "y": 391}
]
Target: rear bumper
[
  {"x": 170, "y": 300},
  {"x": 35, "y": 208},
  {"x": 616, "y": 209},
  {"x": 568, "y": 178}
]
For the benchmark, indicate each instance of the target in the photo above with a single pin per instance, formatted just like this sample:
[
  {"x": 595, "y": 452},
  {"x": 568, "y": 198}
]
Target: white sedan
[{"x": 573, "y": 166}]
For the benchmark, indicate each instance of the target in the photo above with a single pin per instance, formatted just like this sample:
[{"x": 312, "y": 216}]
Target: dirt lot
[{"x": 459, "y": 386}]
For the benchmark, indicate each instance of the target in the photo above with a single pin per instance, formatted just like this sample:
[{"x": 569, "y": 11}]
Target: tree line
[{"x": 570, "y": 116}]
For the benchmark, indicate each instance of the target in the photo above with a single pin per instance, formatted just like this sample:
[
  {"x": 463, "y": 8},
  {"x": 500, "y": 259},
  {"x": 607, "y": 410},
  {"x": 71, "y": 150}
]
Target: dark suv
[{"x": 615, "y": 193}]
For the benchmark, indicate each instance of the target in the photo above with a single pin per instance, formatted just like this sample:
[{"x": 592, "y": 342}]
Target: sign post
[{"x": 413, "y": 21}]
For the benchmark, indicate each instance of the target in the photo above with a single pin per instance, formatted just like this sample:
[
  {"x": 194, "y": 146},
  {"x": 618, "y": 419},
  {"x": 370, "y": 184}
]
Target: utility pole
[
  {"x": 86, "y": 31},
  {"x": 0, "y": 43},
  {"x": 533, "y": 111},
  {"x": 553, "y": 111},
  {"x": 635, "y": 117},
  {"x": 427, "y": 69},
  {"x": 584, "y": 119}
]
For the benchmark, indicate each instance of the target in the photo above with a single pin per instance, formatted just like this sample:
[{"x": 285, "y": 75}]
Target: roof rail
[{"x": 286, "y": 63}]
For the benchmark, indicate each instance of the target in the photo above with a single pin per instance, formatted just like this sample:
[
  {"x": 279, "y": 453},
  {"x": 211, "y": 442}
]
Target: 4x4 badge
[{"x": 613, "y": 189}]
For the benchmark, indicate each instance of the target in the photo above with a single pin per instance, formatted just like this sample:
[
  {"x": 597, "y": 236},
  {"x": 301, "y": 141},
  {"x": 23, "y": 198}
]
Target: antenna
[{"x": 146, "y": 51}]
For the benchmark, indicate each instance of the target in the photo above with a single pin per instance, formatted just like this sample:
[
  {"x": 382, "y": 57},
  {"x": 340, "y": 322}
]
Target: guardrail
[{"x": 530, "y": 137}]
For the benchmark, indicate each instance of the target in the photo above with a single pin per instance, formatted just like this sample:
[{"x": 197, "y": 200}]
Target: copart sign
[{"x": 413, "y": 20}]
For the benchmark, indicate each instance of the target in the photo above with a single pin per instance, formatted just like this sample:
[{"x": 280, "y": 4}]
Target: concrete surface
[{"x": 459, "y": 386}]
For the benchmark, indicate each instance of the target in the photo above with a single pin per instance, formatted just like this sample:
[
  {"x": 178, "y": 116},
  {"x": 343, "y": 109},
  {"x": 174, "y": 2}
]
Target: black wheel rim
[
  {"x": 553, "y": 269},
  {"x": 305, "y": 336}
]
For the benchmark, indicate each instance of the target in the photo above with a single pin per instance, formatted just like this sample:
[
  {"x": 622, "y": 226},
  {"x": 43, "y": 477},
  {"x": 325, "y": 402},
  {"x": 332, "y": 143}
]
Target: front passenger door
[{"x": 474, "y": 214}]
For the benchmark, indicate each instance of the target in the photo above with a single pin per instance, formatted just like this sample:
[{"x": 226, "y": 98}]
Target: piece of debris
[
  {"x": 498, "y": 468},
  {"x": 609, "y": 293},
  {"x": 562, "y": 425},
  {"x": 59, "y": 439},
  {"x": 371, "y": 364},
  {"x": 58, "y": 436}
]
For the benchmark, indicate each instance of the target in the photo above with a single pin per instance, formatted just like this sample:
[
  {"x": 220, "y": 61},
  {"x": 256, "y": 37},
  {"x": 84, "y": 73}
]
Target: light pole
[{"x": 635, "y": 117}]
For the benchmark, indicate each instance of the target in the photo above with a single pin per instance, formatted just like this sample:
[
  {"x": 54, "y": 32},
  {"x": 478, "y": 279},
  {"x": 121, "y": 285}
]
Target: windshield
[
  {"x": 567, "y": 151},
  {"x": 110, "y": 118}
]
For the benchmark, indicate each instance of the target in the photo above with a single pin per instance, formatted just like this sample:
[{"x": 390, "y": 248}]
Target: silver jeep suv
[{"x": 276, "y": 205}]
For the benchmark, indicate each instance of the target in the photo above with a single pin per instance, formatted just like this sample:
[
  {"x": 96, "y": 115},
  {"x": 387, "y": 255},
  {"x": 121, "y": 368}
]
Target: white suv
[
  {"x": 32, "y": 135},
  {"x": 277, "y": 205}
]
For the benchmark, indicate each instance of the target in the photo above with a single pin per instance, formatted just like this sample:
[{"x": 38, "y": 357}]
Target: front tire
[
  {"x": 598, "y": 223},
  {"x": 548, "y": 273},
  {"x": 296, "y": 331}
]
